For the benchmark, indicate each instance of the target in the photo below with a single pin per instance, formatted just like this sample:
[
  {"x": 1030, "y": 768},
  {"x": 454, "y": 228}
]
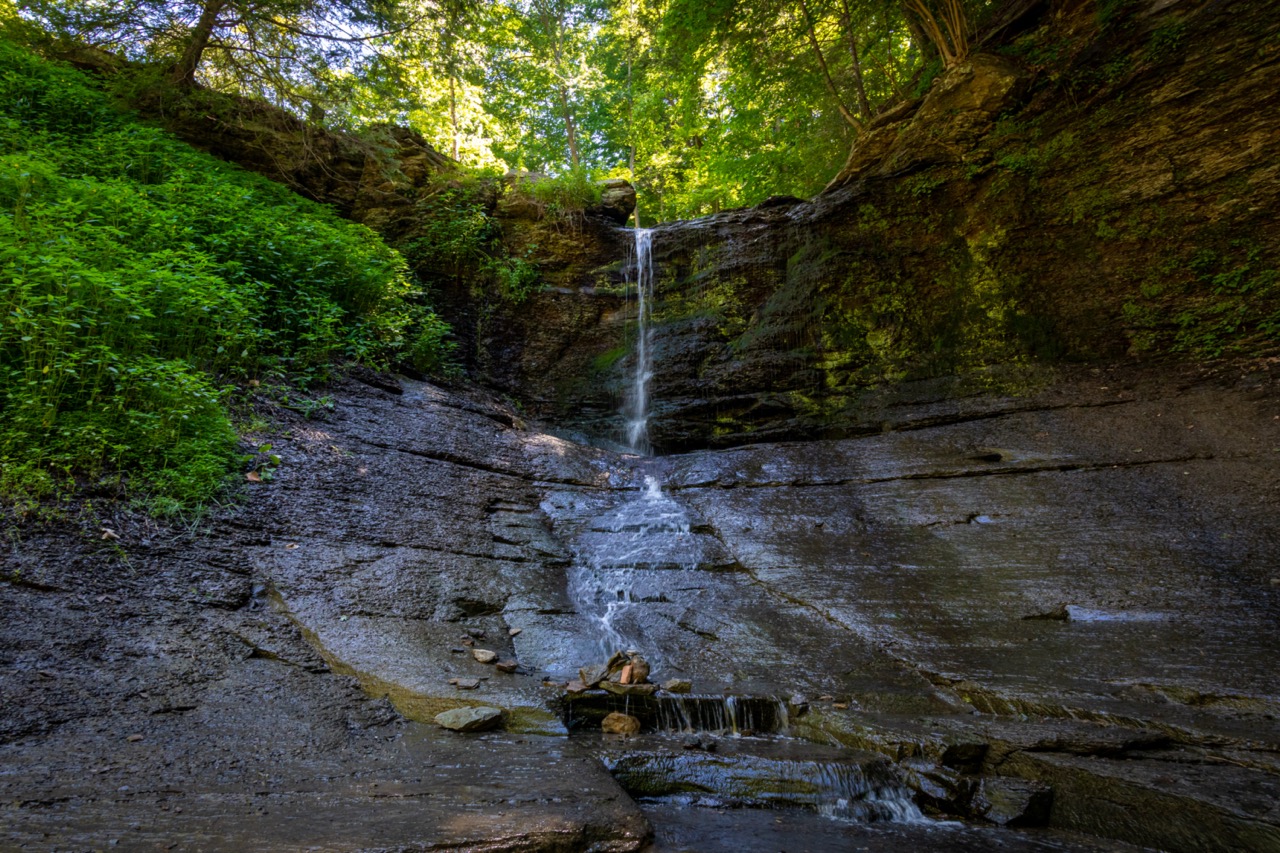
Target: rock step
[
  {"x": 850, "y": 785},
  {"x": 667, "y": 712}
]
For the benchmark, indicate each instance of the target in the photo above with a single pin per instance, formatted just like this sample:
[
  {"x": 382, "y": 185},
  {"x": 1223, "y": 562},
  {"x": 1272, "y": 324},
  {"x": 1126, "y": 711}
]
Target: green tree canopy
[{"x": 706, "y": 104}]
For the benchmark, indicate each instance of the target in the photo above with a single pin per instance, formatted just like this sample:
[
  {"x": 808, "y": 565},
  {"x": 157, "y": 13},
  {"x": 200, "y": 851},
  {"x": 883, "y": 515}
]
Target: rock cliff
[{"x": 1097, "y": 187}]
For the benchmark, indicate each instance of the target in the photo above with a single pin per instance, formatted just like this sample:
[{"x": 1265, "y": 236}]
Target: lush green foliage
[
  {"x": 140, "y": 278},
  {"x": 704, "y": 104}
]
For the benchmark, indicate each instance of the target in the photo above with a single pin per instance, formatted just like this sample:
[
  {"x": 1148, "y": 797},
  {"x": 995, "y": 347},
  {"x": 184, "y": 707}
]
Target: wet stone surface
[{"x": 261, "y": 673}]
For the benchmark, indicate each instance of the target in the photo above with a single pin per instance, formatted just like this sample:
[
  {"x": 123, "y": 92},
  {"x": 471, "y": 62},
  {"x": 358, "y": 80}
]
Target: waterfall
[
  {"x": 619, "y": 550},
  {"x": 636, "y": 410}
]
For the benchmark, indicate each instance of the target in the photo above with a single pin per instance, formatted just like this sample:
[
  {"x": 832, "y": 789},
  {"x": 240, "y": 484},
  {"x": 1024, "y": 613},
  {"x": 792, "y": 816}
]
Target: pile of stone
[{"x": 624, "y": 674}]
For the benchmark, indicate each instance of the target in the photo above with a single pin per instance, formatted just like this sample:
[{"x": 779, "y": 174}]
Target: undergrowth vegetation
[{"x": 140, "y": 279}]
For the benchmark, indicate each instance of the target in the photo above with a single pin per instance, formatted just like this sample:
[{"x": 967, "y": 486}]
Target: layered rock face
[
  {"x": 1099, "y": 188},
  {"x": 1065, "y": 598}
]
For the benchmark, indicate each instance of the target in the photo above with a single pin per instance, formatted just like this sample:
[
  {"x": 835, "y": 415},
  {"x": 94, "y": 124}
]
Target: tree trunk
[
  {"x": 846, "y": 23},
  {"x": 826, "y": 73},
  {"x": 453, "y": 114},
  {"x": 568, "y": 128},
  {"x": 928, "y": 50},
  {"x": 184, "y": 74}
]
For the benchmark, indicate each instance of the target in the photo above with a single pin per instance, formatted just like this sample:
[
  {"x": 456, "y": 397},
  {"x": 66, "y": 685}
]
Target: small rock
[
  {"x": 941, "y": 788},
  {"x": 593, "y": 674},
  {"x": 507, "y": 666},
  {"x": 841, "y": 706},
  {"x": 826, "y": 698},
  {"x": 478, "y": 719},
  {"x": 639, "y": 670},
  {"x": 701, "y": 742},
  {"x": 629, "y": 689},
  {"x": 677, "y": 685},
  {"x": 1057, "y": 614},
  {"x": 514, "y": 631},
  {"x": 467, "y": 641},
  {"x": 458, "y": 650},
  {"x": 617, "y": 662},
  {"x": 620, "y": 724},
  {"x": 465, "y": 683},
  {"x": 573, "y": 686},
  {"x": 964, "y": 753},
  {"x": 134, "y": 738},
  {"x": 1014, "y": 802},
  {"x": 476, "y": 633},
  {"x": 484, "y": 655}
]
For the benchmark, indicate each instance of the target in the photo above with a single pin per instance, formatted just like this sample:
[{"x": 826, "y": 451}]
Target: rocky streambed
[{"x": 1033, "y": 622}]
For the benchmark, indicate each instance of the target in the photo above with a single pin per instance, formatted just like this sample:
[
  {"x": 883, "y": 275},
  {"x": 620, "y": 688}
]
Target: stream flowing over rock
[
  {"x": 880, "y": 582},
  {"x": 1015, "y": 214},
  {"x": 941, "y": 549}
]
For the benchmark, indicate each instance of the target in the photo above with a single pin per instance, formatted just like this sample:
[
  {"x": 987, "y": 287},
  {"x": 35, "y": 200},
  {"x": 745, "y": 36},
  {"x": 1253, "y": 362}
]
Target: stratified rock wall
[{"x": 1102, "y": 187}]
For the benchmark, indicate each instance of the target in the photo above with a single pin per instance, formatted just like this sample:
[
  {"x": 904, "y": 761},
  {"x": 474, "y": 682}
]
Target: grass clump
[{"x": 139, "y": 279}]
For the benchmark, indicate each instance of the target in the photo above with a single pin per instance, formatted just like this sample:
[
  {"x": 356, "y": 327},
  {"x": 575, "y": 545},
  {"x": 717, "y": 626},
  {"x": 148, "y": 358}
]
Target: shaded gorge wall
[{"x": 1095, "y": 188}]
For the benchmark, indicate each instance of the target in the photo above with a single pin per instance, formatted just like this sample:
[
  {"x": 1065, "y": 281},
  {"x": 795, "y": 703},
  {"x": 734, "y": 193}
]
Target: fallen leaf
[
  {"x": 514, "y": 631},
  {"x": 253, "y": 477},
  {"x": 108, "y": 533},
  {"x": 134, "y": 738},
  {"x": 291, "y": 546}
]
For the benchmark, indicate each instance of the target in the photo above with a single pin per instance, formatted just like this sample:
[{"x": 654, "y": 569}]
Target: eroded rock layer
[
  {"x": 1054, "y": 607},
  {"x": 1100, "y": 186}
]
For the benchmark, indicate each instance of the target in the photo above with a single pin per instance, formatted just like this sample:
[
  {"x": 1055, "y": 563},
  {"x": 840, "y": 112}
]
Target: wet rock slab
[
  {"x": 428, "y": 791},
  {"x": 757, "y": 773},
  {"x": 684, "y": 829},
  {"x": 885, "y": 578}
]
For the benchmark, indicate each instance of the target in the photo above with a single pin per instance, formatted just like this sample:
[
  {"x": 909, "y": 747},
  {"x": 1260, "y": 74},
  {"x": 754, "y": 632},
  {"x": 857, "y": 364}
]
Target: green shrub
[
  {"x": 456, "y": 239},
  {"x": 564, "y": 195},
  {"x": 139, "y": 278}
]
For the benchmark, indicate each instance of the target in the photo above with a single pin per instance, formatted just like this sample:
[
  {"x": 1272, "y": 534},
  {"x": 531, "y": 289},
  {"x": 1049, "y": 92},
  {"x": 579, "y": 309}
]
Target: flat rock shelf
[{"x": 1045, "y": 623}]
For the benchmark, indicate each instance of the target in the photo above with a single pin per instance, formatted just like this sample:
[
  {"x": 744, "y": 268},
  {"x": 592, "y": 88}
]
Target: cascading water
[
  {"x": 846, "y": 787},
  {"x": 651, "y": 532},
  {"x": 636, "y": 410}
]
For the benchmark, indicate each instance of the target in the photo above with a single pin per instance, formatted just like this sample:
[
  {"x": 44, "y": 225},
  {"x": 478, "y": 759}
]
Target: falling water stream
[
  {"x": 622, "y": 556},
  {"x": 636, "y": 410}
]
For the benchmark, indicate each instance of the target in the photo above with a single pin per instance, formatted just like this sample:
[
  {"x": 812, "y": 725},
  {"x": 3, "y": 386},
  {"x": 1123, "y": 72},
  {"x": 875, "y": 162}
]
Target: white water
[
  {"x": 636, "y": 410},
  {"x": 615, "y": 555}
]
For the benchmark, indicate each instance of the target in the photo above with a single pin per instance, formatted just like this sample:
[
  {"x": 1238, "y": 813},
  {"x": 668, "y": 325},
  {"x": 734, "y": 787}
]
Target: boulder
[
  {"x": 478, "y": 719},
  {"x": 617, "y": 201},
  {"x": 620, "y": 724}
]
